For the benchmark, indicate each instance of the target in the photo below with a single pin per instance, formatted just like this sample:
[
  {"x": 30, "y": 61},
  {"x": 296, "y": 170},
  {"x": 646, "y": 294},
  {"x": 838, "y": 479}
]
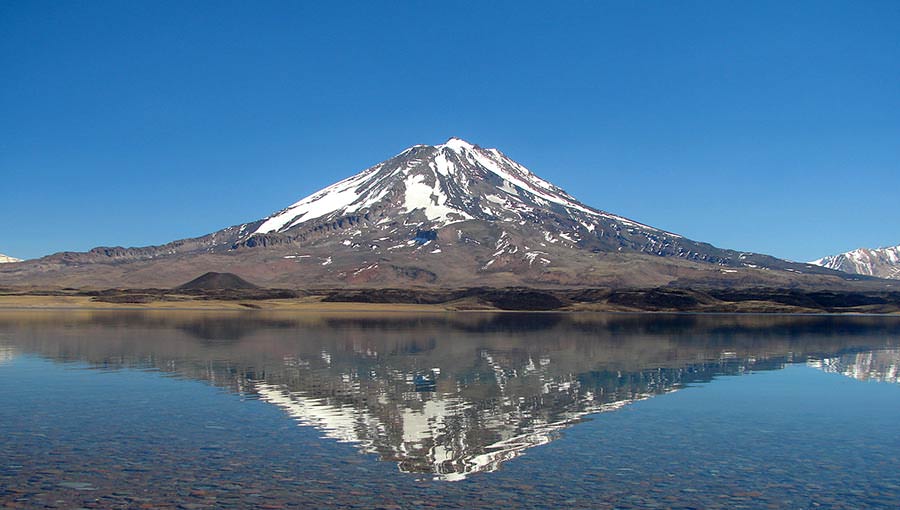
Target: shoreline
[
  {"x": 81, "y": 303},
  {"x": 84, "y": 303}
]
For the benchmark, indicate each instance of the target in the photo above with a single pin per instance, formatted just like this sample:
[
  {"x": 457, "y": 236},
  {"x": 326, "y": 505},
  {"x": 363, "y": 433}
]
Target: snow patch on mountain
[
  {"x": 431, "y": 200},
  {"x": 347, "y": 195},
  {"x": 6, "y": 259}
]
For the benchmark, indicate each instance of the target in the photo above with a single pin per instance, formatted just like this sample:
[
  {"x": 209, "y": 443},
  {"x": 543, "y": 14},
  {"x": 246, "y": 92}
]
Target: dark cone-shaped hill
[{"x": 217, "y": 281}]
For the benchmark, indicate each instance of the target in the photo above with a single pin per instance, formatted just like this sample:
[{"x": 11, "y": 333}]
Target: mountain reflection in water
[
  {"x": 881, "y": 365},
  {"x": 450, "y": 395}
]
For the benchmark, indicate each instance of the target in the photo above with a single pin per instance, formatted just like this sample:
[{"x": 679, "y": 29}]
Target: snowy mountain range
[
  {"x": 6, "y": 259},
  {"x": 880, "y": 262},
  {"x": 448, "y": 215}
]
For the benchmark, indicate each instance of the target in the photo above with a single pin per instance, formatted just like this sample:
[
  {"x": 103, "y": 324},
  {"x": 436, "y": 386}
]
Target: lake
[{"x": 120, "y": 409}]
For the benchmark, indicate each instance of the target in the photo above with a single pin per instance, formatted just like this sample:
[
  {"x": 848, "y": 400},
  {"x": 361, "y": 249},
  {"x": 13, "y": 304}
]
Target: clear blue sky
[{"x": 760, "y": 126}]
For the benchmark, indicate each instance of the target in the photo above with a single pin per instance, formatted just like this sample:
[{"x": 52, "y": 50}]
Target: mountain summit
[
  {"x": 447, "y": 183},
  {"x": 449, "y": 215},
  {"x": 432, "y": 187}
]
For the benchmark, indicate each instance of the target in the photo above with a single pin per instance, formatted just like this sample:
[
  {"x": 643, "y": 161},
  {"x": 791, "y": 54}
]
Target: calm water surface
[{"x": 186, "y": 410}]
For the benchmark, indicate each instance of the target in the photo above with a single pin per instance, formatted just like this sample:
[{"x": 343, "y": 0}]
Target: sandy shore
[{"x": 28, "y": 302}]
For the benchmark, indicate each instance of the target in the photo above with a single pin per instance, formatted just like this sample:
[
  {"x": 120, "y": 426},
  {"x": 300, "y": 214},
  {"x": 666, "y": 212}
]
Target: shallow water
[{"x": 175, "y": 409}]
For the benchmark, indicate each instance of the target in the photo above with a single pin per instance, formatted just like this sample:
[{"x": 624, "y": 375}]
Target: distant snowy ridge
[
  {"x": 6, "y": 259},
  {"x": 881, "y": 262}
]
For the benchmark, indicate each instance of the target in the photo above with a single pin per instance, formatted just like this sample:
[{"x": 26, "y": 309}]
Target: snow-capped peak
[
  {"x": 441, "y": 184},
  {"x": 880, "y": 262},
  {"x": 456, "y": 144},
  {"x": 6, "y": 259}
]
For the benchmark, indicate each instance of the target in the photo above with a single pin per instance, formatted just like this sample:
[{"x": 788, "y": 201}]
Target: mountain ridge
[
  {"x": 446, "y": 215},
  {"x": 878, "y": 262}
]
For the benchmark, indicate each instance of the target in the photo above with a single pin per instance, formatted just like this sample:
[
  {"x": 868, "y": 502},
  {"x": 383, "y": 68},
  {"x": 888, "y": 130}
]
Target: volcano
[{"x": 448, "y": 215}]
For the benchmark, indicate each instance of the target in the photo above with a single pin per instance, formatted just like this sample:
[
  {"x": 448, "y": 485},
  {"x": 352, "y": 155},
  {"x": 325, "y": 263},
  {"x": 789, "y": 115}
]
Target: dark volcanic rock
[
  {"x": 659, "y": 299},
  {"x": 217, "y": 281},
  {"x": 829, "y": 301},
  {"x": 415, "y": 273},
  {"x": 522, "y": 299}
]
